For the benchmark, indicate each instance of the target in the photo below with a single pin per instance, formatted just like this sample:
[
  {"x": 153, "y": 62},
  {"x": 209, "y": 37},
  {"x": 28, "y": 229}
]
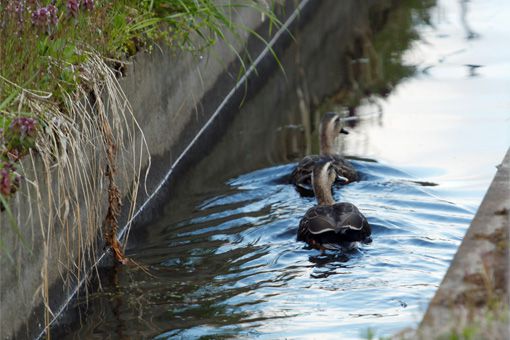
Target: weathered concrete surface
[{"x": 472, "y": 301}]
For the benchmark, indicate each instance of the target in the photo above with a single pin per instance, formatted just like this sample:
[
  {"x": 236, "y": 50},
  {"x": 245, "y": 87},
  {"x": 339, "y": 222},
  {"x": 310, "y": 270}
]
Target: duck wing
[
  {"x": 338, "y": 218},
  {"x": 302, "y": 175},
  {"x": 344, "y": 168},
  {"x": 341, "y": 222}
]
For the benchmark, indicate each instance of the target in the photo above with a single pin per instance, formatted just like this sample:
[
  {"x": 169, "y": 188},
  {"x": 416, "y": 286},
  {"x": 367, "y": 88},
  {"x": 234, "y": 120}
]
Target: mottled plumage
[
  {"x": 301, "y": 176},
  {"x": 331, "y": 225}
]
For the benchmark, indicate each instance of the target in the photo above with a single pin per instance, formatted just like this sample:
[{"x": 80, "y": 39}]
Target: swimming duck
[
  {"x": 330, "y": 127},
  {"x": 331, "y": 225}
]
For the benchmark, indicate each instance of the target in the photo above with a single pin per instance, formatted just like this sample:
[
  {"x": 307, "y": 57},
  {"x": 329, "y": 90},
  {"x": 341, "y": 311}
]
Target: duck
[
  {"x": 330, "y": 128},
  {"x": 330, "y": 225}
]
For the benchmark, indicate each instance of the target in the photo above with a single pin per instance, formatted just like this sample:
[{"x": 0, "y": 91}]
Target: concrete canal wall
[{"x": 472, "y": 301}]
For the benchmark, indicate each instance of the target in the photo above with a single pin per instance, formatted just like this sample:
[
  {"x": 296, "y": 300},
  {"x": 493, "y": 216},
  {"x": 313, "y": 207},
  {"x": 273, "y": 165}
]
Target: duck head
[
  {"x": 331, "y": 126},
  {"x": 323, "y": 177}
]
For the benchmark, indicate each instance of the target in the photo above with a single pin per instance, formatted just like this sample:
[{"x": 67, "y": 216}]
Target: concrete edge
[{"x": 472, "y": 300}]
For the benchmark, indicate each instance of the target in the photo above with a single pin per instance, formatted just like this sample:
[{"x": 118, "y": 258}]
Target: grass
[
  {"x": 488, "y": 323},
  {"x": 43, "y": 62}
]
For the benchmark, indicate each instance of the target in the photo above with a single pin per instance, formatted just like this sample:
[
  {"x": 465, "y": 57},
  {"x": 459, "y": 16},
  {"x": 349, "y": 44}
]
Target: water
[
  {"x": 223, "y": 258},
  {"x": 258, "y": 281}
]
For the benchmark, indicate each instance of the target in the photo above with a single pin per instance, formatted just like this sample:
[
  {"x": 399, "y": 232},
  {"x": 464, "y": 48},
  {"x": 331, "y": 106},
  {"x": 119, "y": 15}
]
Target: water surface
[{"x": 426, "y": 140}]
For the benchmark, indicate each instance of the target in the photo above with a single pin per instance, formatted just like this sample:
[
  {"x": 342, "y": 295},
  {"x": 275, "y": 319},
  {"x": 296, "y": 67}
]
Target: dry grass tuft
[{"x": 88, "y": 154}]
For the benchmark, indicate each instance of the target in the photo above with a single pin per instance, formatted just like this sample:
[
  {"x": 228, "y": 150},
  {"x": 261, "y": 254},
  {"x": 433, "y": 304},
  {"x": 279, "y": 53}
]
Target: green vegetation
[
  {"x": 46, "y": 46},
  {"x": 59, "y": 95},
  {"x": 370, "y": 334}
]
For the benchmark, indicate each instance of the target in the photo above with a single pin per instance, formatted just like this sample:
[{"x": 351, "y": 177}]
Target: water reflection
[
  {"x": 375, "y": 65},
  {"x": 470, "y": 34}
]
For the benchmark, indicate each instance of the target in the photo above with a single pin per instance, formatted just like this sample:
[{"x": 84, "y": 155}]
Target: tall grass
[{"x": 44, "y": 44}]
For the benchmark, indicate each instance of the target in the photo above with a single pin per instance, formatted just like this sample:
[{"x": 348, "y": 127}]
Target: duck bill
[
  {"x": 342, "y": 179},
  {"x": 344, "y": 131}
]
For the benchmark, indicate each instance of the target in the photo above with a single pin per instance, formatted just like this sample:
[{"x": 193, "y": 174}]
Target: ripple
[{"x": 241, "y": 246}]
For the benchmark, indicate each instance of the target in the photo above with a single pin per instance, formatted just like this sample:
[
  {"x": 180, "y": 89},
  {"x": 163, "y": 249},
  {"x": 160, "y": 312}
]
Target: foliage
[
  {"x": 44, "y": 45},
  {"x": 60, "y": 99}
]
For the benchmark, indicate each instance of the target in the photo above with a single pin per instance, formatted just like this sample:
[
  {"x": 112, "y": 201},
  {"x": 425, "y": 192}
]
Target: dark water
[
  {"x": 223, "y": 258},
  {"x": 249, "y": 277},
  {"x": 232, "y": 266}
]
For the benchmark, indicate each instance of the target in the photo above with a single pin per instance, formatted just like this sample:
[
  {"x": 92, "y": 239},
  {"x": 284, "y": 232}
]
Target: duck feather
[
  {"x": 302, "y": 174},
  {"x": 340, "y": 222}
]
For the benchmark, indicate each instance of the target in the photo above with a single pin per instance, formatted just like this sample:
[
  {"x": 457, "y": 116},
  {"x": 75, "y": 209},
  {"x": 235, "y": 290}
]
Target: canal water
[{"x": 427, "y": 93}]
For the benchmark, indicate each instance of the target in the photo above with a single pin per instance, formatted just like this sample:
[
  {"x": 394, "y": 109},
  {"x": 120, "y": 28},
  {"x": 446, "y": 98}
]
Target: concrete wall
[{"x": 472, "y": 301}]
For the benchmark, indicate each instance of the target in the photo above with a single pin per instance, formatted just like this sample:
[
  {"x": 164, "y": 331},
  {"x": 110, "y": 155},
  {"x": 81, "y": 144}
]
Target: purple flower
[
  {"x": 45, "y": 16},
  {"x": 72, "y": 7},
  {"x": 5, "y": 182},
  {"x": 24, "y": 127},
  {"x": 52, "y": 10},
  {"x": 16, "y": 6},
  {"x": 40, "y": 17},
  {"x": 88, "y": 4},
  {"x": 19, "y": 7},
  {"x": 9, "y": 180}
]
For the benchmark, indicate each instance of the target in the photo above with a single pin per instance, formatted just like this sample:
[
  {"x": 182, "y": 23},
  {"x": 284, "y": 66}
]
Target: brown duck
[
  {"x": 331, "y": 225},
  {"x": 330, "y": 128}
]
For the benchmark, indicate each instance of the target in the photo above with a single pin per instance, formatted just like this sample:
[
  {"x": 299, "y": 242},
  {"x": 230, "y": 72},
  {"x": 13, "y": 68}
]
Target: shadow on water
[{"x": 223, "y": 258}]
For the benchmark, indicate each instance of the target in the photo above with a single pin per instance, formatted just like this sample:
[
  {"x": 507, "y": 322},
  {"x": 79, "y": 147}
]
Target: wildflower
[
  {"x": 45, "y": 16},
  {"x": 40, "y": 17},
  {"x": 9, "y": 179},
  {"x": 23, "y": 127},
  {"x": 19, "y": 137},
  {"x": 15, "y": 7},
  {"x": 72, "y": 7},
  {"x": 52, "y": 10},
  {"x": 18, "y": 8},
  {"x": 5, "y": 182},
  {"x": 88, "y": 4}
]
